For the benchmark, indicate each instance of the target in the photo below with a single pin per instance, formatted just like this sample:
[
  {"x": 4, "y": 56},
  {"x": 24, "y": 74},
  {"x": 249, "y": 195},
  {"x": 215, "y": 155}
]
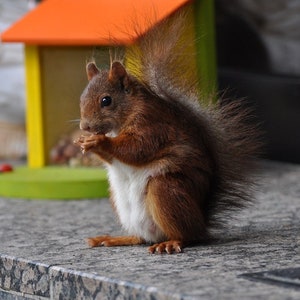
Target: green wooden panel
[{"x": 54, "y": 183}]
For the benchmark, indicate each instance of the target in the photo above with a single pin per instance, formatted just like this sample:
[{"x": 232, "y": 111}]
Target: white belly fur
[{"x": 128, "y": 185}]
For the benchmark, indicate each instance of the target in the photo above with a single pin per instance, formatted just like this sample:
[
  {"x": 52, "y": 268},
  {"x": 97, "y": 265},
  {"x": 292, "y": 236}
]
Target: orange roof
[{"x": 88, "y": 22}]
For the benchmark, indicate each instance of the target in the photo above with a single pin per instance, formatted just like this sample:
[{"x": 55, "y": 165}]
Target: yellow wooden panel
[
  {"x": 34, "y": 109},
  {"x": 63, "y": 79}
]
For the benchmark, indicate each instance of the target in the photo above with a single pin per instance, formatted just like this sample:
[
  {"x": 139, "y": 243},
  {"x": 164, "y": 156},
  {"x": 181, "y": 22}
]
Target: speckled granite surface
[{"x": 43, "y": 254}]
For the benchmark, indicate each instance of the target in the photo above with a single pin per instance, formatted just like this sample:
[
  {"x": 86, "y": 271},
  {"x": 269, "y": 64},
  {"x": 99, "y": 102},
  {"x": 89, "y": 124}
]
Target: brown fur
[{"x": 204, "y": 154}]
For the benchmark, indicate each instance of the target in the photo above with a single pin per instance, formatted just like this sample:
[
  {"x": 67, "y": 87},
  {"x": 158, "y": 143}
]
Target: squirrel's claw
[
  {"x": 79, "y": 140},
  {"x": 86, "y": 143},
  {"x": 81, "y": 143},
  {"x": 168, "y": 247}
]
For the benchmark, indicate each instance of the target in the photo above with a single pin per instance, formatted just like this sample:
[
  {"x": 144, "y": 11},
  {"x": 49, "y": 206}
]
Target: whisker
[{"x": 74, "y": 121}]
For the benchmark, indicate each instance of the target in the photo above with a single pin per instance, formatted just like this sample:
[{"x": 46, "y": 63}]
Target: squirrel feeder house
[{"x": 60, "y": 36}]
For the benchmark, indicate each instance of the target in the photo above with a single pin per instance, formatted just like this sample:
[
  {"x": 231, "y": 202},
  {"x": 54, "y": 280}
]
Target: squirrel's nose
[{"x": 84, "y": 126}]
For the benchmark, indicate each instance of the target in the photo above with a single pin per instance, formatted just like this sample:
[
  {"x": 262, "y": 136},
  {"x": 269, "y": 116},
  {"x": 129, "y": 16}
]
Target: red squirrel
[{"x": 175, "y": 166}]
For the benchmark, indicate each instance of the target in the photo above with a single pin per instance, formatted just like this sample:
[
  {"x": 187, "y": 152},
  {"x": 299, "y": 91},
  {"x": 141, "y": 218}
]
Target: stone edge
[{"x": 34, "y": 279}]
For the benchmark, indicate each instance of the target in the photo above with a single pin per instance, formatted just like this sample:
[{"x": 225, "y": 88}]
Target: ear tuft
[
  {"x": 117, "y": 72},
  {"x": 91, "y": 70}
]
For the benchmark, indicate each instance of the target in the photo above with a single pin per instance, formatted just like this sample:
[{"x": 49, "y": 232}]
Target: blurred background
[
  {"x": 258, "y": 54},
  {"x": 12, "y": 88},
  {"x": 258, "y": 50}
]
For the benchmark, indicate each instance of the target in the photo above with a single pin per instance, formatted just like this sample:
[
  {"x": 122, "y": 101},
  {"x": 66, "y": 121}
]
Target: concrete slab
[{"x": 43, "y": 253}]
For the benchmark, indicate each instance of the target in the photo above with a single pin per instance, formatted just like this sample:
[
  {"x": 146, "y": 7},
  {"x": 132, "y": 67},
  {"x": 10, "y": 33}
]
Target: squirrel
[{"x": 176, "y": 166}]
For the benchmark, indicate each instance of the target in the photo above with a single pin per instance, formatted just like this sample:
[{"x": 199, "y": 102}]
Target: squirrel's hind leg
[
  {"x": 174, "y": 203},
  {"x": 109, "y": 241}
]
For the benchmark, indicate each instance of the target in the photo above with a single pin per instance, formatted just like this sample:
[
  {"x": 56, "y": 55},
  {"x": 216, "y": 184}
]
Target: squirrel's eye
[{"x": 105, "y": 101}]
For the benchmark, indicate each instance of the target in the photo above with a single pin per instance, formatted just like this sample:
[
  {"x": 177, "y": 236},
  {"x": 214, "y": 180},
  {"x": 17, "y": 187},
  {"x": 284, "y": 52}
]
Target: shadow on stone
[{"x": 289, "y": 278}]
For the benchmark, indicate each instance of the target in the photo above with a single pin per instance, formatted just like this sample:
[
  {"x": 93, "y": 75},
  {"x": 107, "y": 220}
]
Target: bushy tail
[
  {"x": 165, "y": 57},
  {"x": 238, "y": 145}
]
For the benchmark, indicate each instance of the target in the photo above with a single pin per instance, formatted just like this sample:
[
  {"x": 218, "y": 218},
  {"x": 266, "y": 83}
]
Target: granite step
[{"x": 43, "y": 254}]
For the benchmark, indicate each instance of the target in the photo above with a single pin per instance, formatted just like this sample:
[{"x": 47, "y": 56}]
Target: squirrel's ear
[
  {"x": 91, "y": 70},
  {"x": 118, "y": 73}
]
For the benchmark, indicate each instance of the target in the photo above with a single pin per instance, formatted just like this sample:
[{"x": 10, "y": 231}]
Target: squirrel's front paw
[{"x": 86, "y": 143}]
